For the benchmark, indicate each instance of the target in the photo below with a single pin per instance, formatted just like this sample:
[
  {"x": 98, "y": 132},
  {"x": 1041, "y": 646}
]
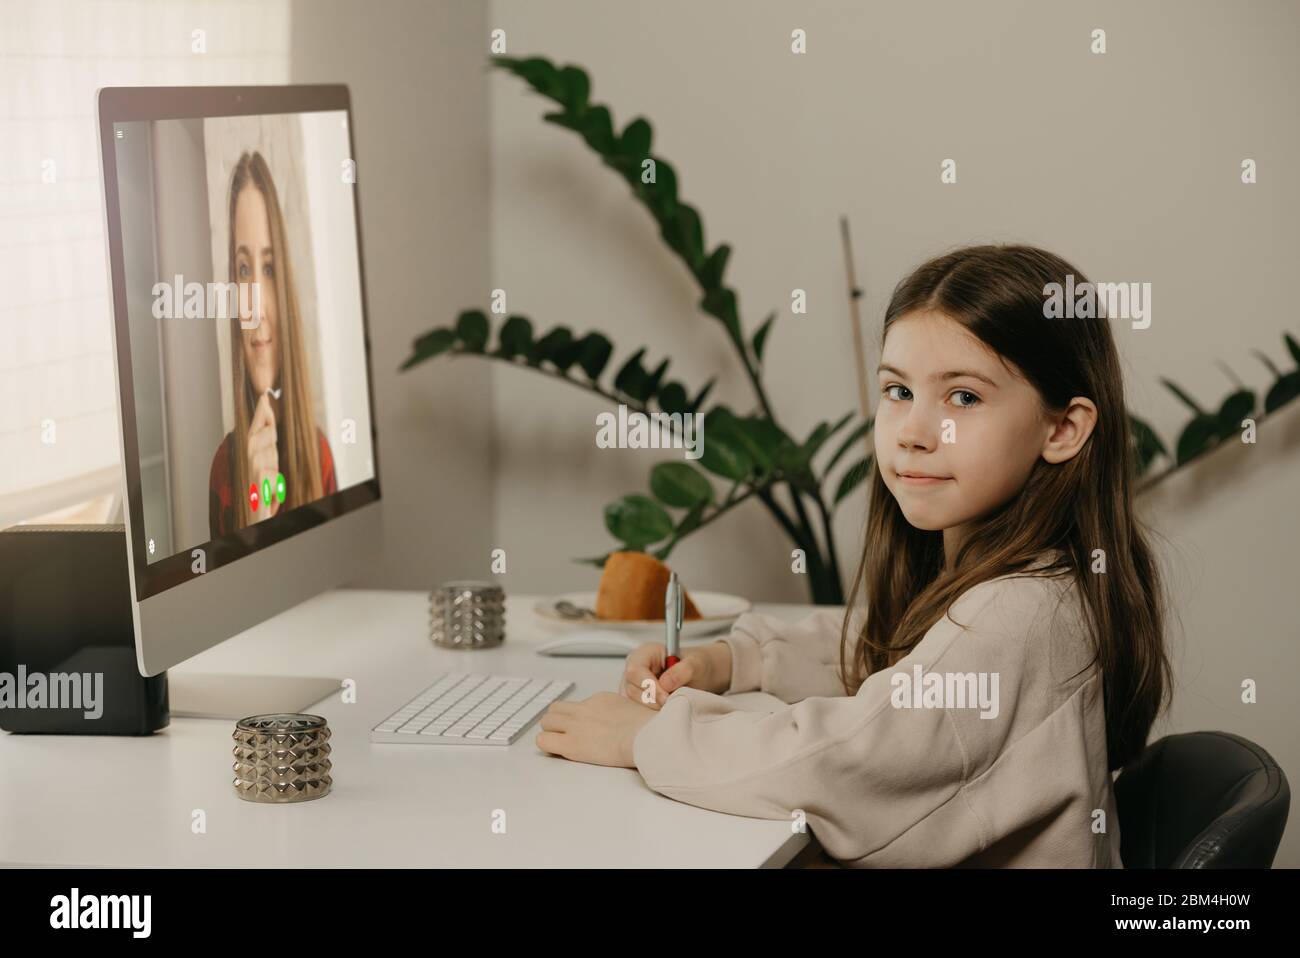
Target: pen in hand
[{"x": 673, "y": 620}]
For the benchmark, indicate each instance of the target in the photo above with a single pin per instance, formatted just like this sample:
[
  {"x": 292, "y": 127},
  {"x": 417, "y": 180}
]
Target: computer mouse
[{"x": 591, "y": 642}]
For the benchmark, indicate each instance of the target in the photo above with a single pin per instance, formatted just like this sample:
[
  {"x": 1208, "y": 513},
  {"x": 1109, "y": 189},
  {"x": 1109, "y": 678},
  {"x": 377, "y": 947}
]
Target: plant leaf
[
  {"x": 631, "y": 379},
  {"x": 1267, "y": 362},
  {"x": 723, "y": 453},
  {"x": 654, "y": 379},
  {"x": 853, "y": 478},
  {"x": 1199, "y": 435},
  {"x": 760, "y": 337},
  {"x": 556, "y": 346},
  {"x": 598, "y": 129},
  {"x": 662, "y": 193},
  {"x": 722, "y": 457},
  {"x": 1283, "y": 391},
  {"x": 1146, "y": 444},
  {"x": 538, "y": 72},
  {"x": 798, "y": 458},
  {"x": 840, "y": 424},
  {"x": 635, "y": 141},
  {"x": 687, "y": 236},
  {"x": 431, "y": 344},
  {"x": 715, "y": 266},
  {"x": 637, "y": 521},
  {"x": 679, "y": 485},
  {"x": 577, "y": 87},
  {"x": 1187, "y": 400},
  {"x": 565, "y": 119},
  {"x": 672, "y": 399},
  {"x": 702, "y": 395},
  {"x": 1293, "y": 346},
  {"x": 858, "y": 432},
  {"x": 721, "y": 302},
  {"x": 515, "y": 337},
  {"x": 759, "y": 443},
  {"x": 1238, "y": 406},
  {"x": 594, "y": 351},
  {"x": 472, "y": 330}
]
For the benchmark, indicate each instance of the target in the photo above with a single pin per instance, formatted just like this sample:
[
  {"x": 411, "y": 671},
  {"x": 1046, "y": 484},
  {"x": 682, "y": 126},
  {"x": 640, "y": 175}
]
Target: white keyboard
[{"x": 470, "y": 709}]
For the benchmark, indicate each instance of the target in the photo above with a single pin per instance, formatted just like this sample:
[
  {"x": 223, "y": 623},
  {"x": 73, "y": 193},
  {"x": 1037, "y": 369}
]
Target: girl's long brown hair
[
  {"x": 298, "y": 442},
  {"x": 1080, "y": 505}
]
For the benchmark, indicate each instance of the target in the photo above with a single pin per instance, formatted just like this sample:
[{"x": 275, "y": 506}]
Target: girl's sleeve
[
  {"x": 857, "y": 770},
  {"x": 792, "y": 661}
]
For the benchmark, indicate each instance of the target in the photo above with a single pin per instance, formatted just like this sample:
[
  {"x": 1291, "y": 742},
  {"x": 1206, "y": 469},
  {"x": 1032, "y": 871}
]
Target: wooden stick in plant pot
[{"x": 859, "y": 347}]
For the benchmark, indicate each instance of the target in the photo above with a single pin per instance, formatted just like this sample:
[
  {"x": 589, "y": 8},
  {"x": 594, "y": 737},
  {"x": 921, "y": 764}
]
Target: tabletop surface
[{"x": 168, "y": 800}]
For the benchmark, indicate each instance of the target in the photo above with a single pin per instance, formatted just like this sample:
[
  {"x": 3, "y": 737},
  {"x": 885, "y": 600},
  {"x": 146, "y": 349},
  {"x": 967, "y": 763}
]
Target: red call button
[{"x": 252, "y": 496}]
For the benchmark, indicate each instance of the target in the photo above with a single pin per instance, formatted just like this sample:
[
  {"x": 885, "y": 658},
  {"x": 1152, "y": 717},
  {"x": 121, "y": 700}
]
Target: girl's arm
[
  {"x": 792, "y": 661},
  {"x": 930, "y": 785}
]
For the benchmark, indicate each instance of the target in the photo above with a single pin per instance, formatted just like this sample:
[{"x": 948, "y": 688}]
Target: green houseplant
[{"x": 749, "y": 454}]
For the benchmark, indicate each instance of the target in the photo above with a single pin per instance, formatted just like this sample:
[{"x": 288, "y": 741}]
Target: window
[{"x": 58, "y": 417}]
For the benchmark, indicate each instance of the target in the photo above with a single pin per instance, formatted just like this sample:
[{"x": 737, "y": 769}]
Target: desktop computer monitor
[{"x": 243, "y": 362}]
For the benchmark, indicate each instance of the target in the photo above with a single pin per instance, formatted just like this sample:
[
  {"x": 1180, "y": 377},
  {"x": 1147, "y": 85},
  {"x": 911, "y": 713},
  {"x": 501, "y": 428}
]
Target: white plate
[{"x": 717, "y": 609}]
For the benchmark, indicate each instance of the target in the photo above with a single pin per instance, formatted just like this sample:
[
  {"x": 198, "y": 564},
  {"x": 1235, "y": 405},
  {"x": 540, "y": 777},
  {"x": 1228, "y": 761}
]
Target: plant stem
[
  {"x": 589, "y": 386},
  {"x": 859, "y": 348},
  {"x": 800, "y": 536},
  {"x": 804, "y": 521},
  {"x": 829, "y": 530},
  {"x": 723, "y": 508},
  {"x": 754, "y": 381}
]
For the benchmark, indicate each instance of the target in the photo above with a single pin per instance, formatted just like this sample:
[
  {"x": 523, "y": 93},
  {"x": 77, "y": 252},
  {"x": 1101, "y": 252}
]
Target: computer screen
[{"x": 248, "y": 399}]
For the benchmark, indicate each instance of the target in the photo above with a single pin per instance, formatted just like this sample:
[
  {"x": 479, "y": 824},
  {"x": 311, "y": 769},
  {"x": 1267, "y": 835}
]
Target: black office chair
[{"x": 1201, "y": 800}]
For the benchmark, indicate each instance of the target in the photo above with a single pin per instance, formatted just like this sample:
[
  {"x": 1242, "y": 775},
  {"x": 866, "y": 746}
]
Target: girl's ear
[{"x": 1070, "y": 430}]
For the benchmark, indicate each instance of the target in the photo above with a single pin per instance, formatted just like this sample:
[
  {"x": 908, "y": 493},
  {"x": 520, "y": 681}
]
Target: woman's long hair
[
  {"x": 997, "y": 293},
  {"x": 299, "y": 445}
]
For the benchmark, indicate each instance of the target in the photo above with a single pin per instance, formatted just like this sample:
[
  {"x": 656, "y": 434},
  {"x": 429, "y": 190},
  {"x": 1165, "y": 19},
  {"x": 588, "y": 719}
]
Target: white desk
[{"x": 109, "y": 801}]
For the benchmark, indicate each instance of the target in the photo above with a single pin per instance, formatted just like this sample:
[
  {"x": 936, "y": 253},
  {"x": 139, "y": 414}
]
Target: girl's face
[
  {"x": 951, "y": 409},
  {"x": 254, "y": 263}
]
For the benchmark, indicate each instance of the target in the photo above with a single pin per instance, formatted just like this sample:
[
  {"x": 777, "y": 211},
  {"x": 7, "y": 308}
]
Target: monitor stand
[{"x": 224, "y": 695}]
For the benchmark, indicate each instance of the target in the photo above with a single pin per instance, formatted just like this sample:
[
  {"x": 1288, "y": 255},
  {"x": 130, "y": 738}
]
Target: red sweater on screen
[{"x": 221, "y": 491}]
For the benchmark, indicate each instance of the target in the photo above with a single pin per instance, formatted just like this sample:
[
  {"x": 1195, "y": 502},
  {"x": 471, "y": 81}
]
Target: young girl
[
  {"x": 1011, "y": 654},
  {"x": 275, "y": 430}
]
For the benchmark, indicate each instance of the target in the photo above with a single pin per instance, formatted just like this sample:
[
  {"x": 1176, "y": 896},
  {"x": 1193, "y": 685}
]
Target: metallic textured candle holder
[
  {"x": 467, "y": 615},
  {"x": 282, "y": 757}
]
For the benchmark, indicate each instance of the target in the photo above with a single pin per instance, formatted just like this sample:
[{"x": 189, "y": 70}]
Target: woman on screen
[{"x": 275, "y": 458}]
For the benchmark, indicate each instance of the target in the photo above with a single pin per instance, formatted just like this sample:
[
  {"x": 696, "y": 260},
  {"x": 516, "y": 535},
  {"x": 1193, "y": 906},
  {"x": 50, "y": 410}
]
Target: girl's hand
[
  {"x": 645, "y": 681},
  {"x": 599, "y": 730},
  {"x": 263, "y": 455}
]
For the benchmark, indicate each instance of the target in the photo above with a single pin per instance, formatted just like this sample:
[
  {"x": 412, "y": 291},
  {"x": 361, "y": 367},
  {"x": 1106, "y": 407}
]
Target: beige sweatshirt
[{"x": 1003, "y": 764}]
